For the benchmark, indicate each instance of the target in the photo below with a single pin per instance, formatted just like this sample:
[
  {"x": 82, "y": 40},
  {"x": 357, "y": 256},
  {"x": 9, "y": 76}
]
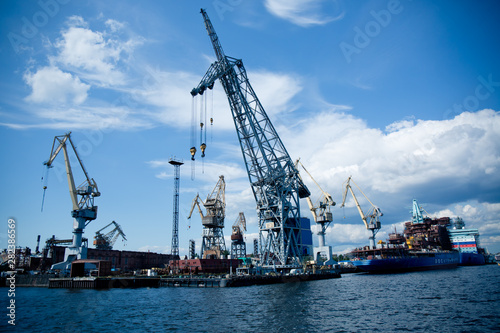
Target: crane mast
[
  {"x": 374, "y": 224},
  {"x": 271, "y": 172},
  {"x": 83, "y": 209}
]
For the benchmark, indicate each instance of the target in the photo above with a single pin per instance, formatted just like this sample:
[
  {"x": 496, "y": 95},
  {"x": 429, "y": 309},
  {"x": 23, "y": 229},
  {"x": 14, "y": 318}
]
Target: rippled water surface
[{"x": 466, "y": 299}]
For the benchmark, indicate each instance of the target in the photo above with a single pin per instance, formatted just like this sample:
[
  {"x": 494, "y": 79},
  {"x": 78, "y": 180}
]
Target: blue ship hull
[
  {"x": 417, "y": 261},
  {"x": 471, "y": 259}
]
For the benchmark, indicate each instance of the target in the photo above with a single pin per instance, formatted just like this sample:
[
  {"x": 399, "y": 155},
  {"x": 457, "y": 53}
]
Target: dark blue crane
[{"x": 273, "y": 176}]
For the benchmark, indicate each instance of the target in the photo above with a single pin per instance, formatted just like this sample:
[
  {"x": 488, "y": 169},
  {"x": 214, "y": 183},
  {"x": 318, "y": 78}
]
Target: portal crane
[
  {"x": 83, "y": 208},
  {"x": 274, "y": 179},
  {"x": 213, "y": 244},
  {"x": 373, "y": 214},
  {"x": 106, "y": 241},
  {"x": 238, "y": 246},
  {"x": 322, "y": 216}
]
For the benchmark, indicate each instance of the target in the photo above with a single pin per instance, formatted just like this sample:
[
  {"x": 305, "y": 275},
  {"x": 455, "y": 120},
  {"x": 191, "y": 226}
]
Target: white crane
[
  {"x": 373, "y": 214},
  {"x": 322, "y": 216},
  {"x": 83, "y": 208}
]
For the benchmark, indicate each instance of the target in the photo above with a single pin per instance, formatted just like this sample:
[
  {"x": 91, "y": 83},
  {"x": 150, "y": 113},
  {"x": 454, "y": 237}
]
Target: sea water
[{"x": 465, "y": 299}]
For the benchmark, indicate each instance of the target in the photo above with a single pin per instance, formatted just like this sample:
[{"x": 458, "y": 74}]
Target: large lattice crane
[
  {"x": 106, "y": 241},
  {"x": 83, "y": 208},
  {"x": 323, "y": 216},
  {"x": 373, "y": 224},
  {"x": 213, "y": 244},
  {"x": 272, "y": 173}
]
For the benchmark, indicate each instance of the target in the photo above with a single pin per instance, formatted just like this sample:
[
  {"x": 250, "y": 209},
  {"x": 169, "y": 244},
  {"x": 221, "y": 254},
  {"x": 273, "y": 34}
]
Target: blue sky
[{"x": 402, "y": 95}]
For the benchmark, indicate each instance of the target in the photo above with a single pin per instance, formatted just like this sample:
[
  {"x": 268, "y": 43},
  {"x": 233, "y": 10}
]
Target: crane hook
[
  {"x": 193, "y": 152},
  {"x": 203, "y": 147}
]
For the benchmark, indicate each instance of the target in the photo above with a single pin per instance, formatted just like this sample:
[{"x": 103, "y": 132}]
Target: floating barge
[
  {"x": 191, "y": 281},
  {"x": 104, "y": 282}
]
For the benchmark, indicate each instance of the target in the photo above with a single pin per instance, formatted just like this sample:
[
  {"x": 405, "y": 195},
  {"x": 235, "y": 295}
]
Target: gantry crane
[
  {"x": 213, "y": 244},
  {"x": 83, "y": 209},
  {"x": 272, "y": 173},
  {"x": 106, "y": 241},
  {"x": 322, "y": 216},
  {"x": 373, "y": 214},
  {"x": 238, "y": 246}
]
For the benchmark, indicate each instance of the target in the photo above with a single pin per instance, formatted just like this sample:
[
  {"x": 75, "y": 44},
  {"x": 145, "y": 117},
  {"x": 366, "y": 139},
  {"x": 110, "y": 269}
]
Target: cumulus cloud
[
  {"x": 335, "y": 145},
  {"x": 52, "y": 85},
  {"x": 94, "y": 55},
  {"x": 169, "y": 91},
  {"x": 305, "y": 12}
]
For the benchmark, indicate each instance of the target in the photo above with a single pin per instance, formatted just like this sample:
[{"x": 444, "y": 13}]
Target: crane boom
[
  {"x": 373, "y": 214},
  {"x": 272, "y": 174}
]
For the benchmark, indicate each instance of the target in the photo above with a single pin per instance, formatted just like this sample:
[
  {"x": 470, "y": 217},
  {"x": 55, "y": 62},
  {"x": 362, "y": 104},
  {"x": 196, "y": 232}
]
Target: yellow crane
[
  {"x": 370, "y": 219},
  {"x": 322, "y": 216},
  {"x": 82, "y": 197}
]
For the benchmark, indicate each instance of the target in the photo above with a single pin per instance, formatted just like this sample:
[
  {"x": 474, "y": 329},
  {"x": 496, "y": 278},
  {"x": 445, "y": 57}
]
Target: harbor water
[{"x": 465, "y": 299}]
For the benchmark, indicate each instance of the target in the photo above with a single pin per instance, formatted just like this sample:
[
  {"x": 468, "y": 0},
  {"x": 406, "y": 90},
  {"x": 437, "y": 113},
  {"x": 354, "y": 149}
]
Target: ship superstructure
[{"x": 466, "y": 241}]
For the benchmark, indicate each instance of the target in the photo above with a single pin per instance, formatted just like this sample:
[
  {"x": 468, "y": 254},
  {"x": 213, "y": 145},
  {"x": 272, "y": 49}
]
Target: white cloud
[
  {"x": 94, "y": 55},
  {"x": 305, "y": 12},
  {"x": 114, "y": 25},
  {"x": 335, "y": 145},
  {"x": 52, "y": 85},
  {"x": 169, "y": 91}
]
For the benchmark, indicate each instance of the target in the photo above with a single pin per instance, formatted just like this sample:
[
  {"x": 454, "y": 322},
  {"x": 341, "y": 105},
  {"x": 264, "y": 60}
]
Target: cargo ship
[
  {"x": 466, "y": 242},
  {"x": 424, "y": 245}
]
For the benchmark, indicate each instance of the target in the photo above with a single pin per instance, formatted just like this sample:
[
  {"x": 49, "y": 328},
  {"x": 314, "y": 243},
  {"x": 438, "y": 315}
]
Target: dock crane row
[
  {"x": 107, "y": 240},
  {"x": 238, "y": 246},
  {"x": 373, "y": 214},
  {"x": 213, "y": 244},
  {"x": 322, "y": 215},
  {"x": 274, "y": 179},
  {"x": 83, "y": 210}
]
